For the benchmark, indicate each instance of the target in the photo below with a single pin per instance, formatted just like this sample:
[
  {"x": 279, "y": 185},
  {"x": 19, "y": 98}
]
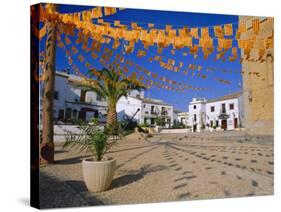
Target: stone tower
[{"x": 258, "y": 78}]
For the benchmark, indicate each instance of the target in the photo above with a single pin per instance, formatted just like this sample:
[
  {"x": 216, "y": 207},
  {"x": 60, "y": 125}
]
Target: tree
[
  {"x": 47, "y": 143},
  {"x": 110, "y": 85}
]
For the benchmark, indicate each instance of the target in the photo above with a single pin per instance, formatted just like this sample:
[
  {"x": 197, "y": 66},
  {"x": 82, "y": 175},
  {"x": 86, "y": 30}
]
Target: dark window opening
[
  {"x": 152, "y": 110},
  {"x": 213, "y": 109},
  {"x": 56, "y": 95},
  {"x": 74, "y": 113},
  {"x": 231, "y": 106},
  {"x": 223, "y": 108},
  {"x": 68, "y": 113},
  {"x": 61, "y": 115}
]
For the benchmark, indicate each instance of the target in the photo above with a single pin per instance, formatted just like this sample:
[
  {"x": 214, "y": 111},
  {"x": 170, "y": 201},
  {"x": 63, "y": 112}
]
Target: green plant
[
  {"x": 92, "y": 139},
  {"x": 143, "y": 125},
  {"x": 178, "y": 125},
  {"x": 160, "y": 121}
]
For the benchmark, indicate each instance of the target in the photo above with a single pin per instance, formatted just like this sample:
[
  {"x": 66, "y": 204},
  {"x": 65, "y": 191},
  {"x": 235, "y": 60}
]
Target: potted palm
[
  {"x": 111, "y": 85},
  {"x": 97, "y": 171}
]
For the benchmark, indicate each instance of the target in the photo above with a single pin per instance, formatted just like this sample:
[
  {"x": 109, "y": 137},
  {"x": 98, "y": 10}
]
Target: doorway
[
  {"x": 236, "y": 123},
  {"x": 61, "y": 115},
  {"x": 82, "y": 115},
  {"x": 224, "y": 124},
  {"x": 194, "y": 127}
]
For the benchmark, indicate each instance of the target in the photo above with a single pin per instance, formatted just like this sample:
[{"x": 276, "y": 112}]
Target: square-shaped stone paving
[{"x": 166, "y": 167}]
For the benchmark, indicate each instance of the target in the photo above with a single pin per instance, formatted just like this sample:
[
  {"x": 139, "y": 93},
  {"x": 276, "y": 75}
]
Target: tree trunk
[
  {"x": 47, "y": 143},
  {"x": 111, "y": 121}
]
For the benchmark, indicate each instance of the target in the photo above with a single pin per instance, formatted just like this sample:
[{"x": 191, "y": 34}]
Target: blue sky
[{"x": 177, "y": 19}]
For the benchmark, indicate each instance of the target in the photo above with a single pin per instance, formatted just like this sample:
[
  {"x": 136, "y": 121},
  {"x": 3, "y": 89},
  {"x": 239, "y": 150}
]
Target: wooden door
[{"x": 224, "y": 124}]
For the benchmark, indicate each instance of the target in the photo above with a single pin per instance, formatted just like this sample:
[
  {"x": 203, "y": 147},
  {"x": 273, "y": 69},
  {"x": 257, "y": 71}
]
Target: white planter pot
[{"x": 98, "y": 174}]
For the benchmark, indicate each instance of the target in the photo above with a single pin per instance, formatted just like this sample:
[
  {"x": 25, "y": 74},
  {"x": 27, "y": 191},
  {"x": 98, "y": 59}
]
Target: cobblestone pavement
[{"x": 166, "y": 168}]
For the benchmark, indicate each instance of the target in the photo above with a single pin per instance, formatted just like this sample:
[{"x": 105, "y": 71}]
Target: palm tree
[{"x": 112, "y": 86}]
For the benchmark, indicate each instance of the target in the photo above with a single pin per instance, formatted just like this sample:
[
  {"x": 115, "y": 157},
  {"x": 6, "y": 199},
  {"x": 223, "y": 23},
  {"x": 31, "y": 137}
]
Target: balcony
[{"x": 164, "y": 113}]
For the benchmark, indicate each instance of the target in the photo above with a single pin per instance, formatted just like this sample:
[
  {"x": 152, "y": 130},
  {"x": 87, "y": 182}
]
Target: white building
[
  {"x": 183, "y": 118},
  {"x": 147, "y": 110},
  {"x": 223, "y": 113},
  {"x": 72, "y": 103}
]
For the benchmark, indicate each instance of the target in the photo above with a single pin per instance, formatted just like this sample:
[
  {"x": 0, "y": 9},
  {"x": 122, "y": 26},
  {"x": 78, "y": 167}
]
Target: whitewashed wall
[
  {"x": 232, "y": 113},
  {"x": 128, "y": 106}
]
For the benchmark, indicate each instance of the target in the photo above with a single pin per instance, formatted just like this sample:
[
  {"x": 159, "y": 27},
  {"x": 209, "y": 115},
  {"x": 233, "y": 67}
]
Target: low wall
[
  {"x": 60, "y": 131},
  {"x": 174, "y": 131}
]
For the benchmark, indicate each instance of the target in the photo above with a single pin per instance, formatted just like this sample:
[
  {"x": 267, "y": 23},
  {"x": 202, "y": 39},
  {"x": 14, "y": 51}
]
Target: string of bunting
[
  {"x": 121, "y": 60},
  {"x": 163, "y": 38},
  {"x": 97, "y": 46},
  {"x": 195, "y": 69}
]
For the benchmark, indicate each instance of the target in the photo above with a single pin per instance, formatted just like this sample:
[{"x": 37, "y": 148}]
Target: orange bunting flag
[
  {"x": 227, "y": 44},
  {"x": 205, "y": 32},
  {"x": 134, "y": 25},
  {"x": 100, "y": 21},
  {"x": 194, "y": 32},
  {"x": 109, "y": 10},
  {"x": 115, "y": 44},
  {"x": 234, "y": 51},
  {"x": 228, "y": 30},
  {"x": 168, "y": 27},
  {"x": 159, "y": 50},
  {"x": 116, "y": 23},
  {"x": 218, "y": 31},
  {"x": 183, "y": 32},
  {"x": 193, "y": 50},
  {"x": 67, "y": 40},
  {"x": 42, "y": 32},
  {"x": 160, "y": 36},
  {"x": 74, "y": 50},
  {"x": 96, "y": 12},
  {"x": 94, "y": 55},
  {"x": 206, "y": 42},
  {"x": 256, "y": 26},
  {"x": 172, "y": 33}
]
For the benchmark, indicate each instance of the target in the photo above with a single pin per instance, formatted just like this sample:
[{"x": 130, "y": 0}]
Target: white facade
[
  {"x": 126, "y": 108},
  {"x": 150, "y": 110},
  {"x": 183, "y": 118},
  {"x": 71, "y": 103},
  {"x": 197, "y": 113},
  {"x": 220, "y": 114}
]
